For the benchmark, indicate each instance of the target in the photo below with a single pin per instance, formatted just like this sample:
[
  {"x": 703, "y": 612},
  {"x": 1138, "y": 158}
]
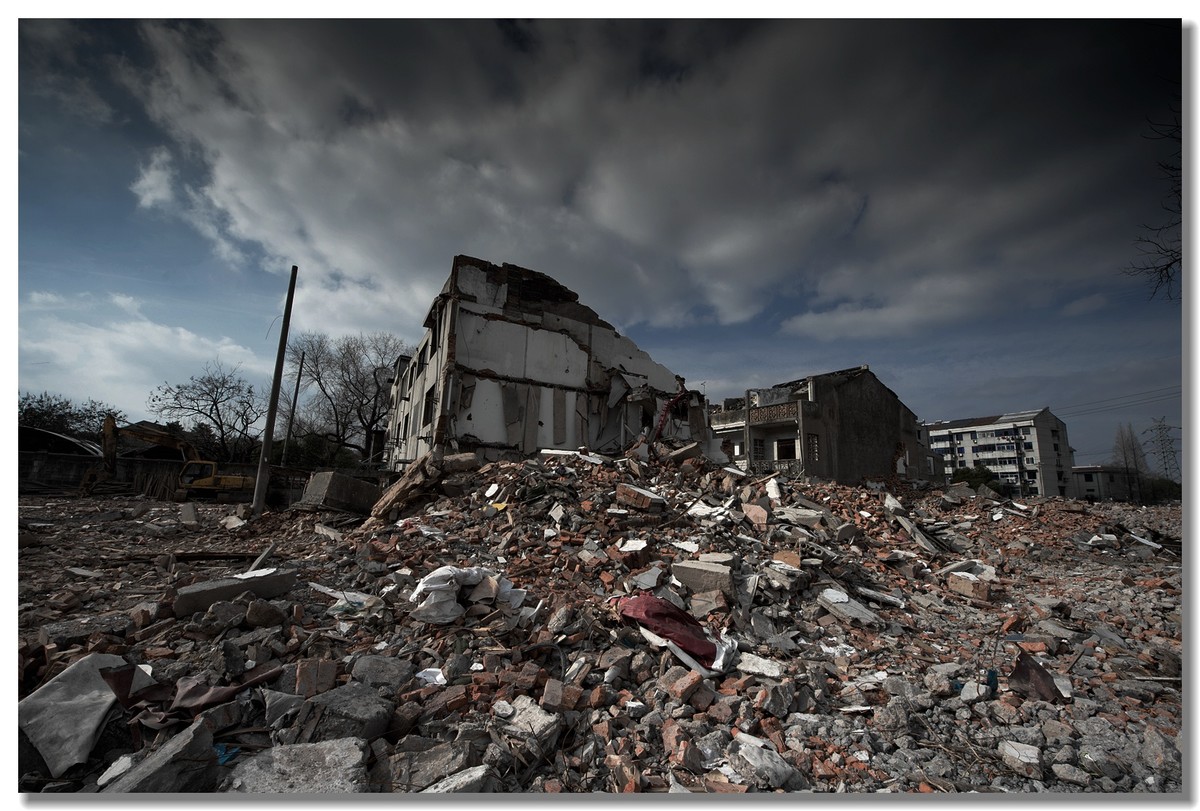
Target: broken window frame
[
  {"x": 428, "y": 409},
  {"x": 812, "y": 449}
]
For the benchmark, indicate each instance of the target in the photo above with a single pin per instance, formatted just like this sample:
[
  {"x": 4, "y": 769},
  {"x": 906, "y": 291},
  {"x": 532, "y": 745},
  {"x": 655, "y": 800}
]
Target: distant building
[
  {"x": 1027, "y": 449},
  {"x": 845, "y": 426},
  {"x": 1104, "y": 483},
  {"x": 512, "y": 363}
]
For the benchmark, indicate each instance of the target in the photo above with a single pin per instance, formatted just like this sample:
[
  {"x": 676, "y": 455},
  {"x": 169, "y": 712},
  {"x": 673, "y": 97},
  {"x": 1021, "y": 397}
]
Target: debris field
[{"x": 579, "y": 623}]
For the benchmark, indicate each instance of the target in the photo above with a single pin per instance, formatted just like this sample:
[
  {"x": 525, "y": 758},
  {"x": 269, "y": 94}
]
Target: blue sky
[{"x": 949, "y": 202}]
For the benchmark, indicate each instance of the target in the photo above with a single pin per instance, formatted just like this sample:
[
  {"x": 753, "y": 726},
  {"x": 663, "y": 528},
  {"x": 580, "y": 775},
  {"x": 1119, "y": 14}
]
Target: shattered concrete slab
[{"x": 332, "y": 767}]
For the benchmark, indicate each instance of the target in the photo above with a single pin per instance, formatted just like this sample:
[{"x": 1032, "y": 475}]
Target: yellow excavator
[{"x": 199, "y": 478}]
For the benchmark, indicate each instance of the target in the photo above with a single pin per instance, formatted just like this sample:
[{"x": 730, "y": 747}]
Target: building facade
[
  {"x": 1027, "y": 449},
  {"x": 1104, "y": 483},
  {"x": 845, "y": 426},
  {"x": 512, "y": 363}
]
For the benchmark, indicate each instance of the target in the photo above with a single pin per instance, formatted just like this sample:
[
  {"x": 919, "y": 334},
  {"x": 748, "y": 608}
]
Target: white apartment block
[{"x": 1027, "y": 449}]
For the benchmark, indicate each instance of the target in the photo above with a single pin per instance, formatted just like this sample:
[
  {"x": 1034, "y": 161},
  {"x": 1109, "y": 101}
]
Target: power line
[
  {"x": 1110, "y": 399},
  {"x": 1118, "y": 406}
]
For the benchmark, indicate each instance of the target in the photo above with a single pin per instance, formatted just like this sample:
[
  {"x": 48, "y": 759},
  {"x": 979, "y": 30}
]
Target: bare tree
[
  {"x": 1129, "y": 454},
  {"x": 1161, "y": 245},
  {"x": 348, "y": 381},
  {"x": 219, "y": 399}
]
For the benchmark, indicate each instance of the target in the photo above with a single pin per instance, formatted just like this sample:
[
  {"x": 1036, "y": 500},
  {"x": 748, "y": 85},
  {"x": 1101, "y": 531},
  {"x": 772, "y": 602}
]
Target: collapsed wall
[{"x": 513, "y": 363}]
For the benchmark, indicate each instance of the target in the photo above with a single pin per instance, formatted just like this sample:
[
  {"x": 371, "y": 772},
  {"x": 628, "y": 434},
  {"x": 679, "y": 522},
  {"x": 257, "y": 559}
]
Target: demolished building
[
  {"x": 512, "y": 363},
  {"x": 844, "y": 426}
]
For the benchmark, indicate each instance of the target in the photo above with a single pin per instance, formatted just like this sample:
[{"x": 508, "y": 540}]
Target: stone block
[
  {"x": 264, "y": 614},
  {"x": 265, "y": 583},
  {"x": 69, "y": 632},
  {"x": 703, "y": 604},
  {"x": 329, "y": 767},
  {"x": 187, "y": 762},
  {"x": 1071, "y": 774},
  {"x": 340, "y": 492},
  {"x": 418, "y": 770},
  {"x": 352, "y": 711},
  {"x": 530, "y": 720},
  {"x": 847, "y": 609},
  {"x": 700, "y": 576},
  {"x": 1022, "y": 758},
  {"x": 776, "y": 699},
  {"x": 758, "y": 666},
  {"x": 475, "y": 780},
  {"x": 764, "y": 767},
  {"x": 188, "y": 516},
  {"x": 382, "y": 671}
]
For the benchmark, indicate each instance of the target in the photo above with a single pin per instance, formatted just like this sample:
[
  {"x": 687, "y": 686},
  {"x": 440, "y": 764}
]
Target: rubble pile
[{"x": 578, "y": 623}]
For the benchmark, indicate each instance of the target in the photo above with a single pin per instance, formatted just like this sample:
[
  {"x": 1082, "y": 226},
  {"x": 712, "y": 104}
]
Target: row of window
[
  {"x": 784, "y": 448},
  {"x": 994, "y": 463},
  {"x": 975, "y": 436}
]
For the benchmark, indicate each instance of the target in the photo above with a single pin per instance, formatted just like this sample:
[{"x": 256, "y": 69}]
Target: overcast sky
[{"x": 948, "y": 202}]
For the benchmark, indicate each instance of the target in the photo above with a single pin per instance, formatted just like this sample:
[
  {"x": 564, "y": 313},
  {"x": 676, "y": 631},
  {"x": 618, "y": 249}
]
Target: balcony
[
  {"x": 762, "y": 415},
  {"x": 792, "y": 467}
]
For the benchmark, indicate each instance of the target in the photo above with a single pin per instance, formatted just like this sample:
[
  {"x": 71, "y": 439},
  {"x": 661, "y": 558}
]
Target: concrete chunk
[
  {"x": 186, "y": 762},
  {"x": 417, "y": 771},
  {"x": 264, "y": 583},
  {"x": 757, "y": 665},
  {"x": 1022, "y": 758},
  {"x": 476, "y": 780},
  {"x": 352, "y": 711},
  {"x": 701, "y": 577},
  {"x": 340, "y": 492},
  {"x": 382, "y": 671},
  {"x": 846, "y": 608},
  {"x": 69, "y": 632},
  {"x": 330, "y": 767},
  {"x": 764, "y": 767},
  {"x": 528, "y": 719},
  {"x": 800, "y": 517},
  {"x": 188, "y": 516}
]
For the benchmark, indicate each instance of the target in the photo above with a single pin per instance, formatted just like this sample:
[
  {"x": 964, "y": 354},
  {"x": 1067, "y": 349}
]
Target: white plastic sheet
[{"x": 437, "y": 593}]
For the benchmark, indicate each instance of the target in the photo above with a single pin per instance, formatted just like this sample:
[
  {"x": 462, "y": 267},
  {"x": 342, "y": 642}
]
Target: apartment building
[{"x": 1027, "y": 449}]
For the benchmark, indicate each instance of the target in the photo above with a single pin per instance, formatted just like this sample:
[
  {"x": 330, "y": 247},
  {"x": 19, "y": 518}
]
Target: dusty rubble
[{"x": 574, "y": 623}]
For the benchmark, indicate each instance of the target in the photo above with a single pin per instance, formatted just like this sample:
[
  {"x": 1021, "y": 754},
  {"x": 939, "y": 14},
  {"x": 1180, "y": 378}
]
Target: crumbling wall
[
  {"x": 867, "y": 431},
  {"x": 531, "y": 368}
]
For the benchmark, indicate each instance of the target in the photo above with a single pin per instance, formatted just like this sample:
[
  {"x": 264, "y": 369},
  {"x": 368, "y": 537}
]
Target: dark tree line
[
  {"x": 53, "y": 412},
  {"x": 339, "y": 417}
]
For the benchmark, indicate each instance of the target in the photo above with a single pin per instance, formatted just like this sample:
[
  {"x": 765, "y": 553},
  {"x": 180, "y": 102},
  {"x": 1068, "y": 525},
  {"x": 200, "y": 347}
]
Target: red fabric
[{"x": 670, "y": 622}]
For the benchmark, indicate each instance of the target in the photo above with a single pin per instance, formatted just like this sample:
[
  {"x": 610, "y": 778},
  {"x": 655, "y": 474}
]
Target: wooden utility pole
[{"x": 264, "y": 461}]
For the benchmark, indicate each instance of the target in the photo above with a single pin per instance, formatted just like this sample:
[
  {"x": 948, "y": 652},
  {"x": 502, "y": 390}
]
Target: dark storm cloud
[{"x": 897, "y": 173}]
